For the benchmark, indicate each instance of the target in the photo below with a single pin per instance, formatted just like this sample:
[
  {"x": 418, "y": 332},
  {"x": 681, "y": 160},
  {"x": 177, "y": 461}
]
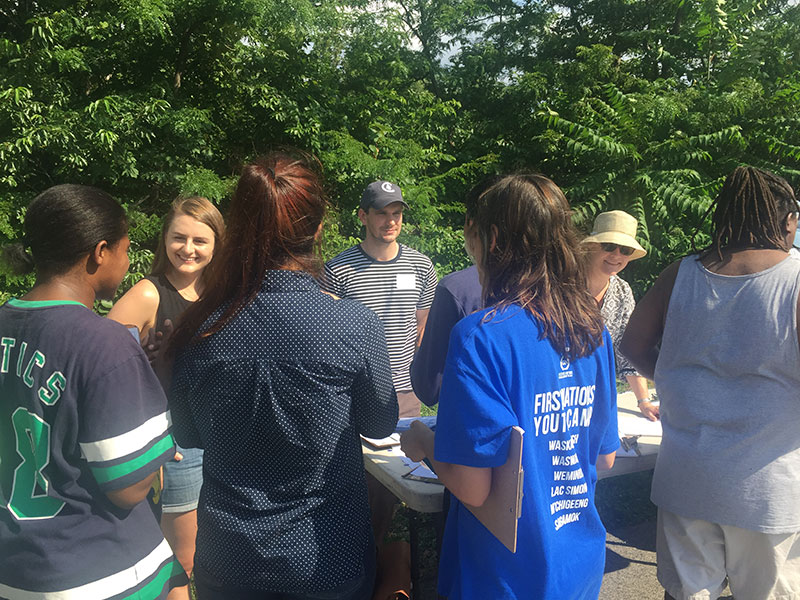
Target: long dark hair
[
  {"x": 537, "y": 261},
  {"x": 62, "y": 225},
  {"x": 274, "y": 217},
  {"x": 751, "y": 211},
  {"x": 201, "y": 210}
]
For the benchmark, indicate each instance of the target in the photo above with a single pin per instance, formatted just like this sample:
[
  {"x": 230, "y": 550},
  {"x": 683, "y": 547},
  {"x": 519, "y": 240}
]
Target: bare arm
[
  {"x": 646, "y": 325},
  {"x": 639, "y": 388},
  {"x": 130, "y": 496},
  {"x": 605, "y": 461},
  {"x": 422, "y": 319},
  {"x": 137, "y": 308},
  {"x": 471, "y": 485}
]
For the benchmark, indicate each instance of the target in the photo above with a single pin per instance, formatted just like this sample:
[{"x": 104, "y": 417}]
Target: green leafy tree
[{"x": 627, "y": 104}]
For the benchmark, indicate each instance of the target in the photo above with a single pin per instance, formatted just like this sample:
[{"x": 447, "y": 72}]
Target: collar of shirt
[{"x": 288, "y": 281}]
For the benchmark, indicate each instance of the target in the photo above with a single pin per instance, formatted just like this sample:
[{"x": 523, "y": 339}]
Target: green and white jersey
[{"x": 81, "y": 414}]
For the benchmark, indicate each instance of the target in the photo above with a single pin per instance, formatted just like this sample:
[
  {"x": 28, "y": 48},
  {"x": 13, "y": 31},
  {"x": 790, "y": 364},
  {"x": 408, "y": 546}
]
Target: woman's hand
[
  {"x": 155, "y": 346},
  {"x": 471, "y": 485},
  {"x": 649, "y": 410},
  {"x": 416, "y": 442},
  {"x": 155, "y": 342}
]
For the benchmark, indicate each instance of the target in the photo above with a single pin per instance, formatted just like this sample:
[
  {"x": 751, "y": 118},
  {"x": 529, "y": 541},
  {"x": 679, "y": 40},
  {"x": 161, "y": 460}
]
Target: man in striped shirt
[{"x": 391, "y": 279}]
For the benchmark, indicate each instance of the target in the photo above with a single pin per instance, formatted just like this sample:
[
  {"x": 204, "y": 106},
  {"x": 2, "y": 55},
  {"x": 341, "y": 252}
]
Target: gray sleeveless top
[{"x": 728, "y": 377}]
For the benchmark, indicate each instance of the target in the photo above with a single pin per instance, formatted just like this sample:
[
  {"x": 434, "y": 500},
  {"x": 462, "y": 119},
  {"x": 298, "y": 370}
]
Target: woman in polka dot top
[{"x": 276, "y": 380}]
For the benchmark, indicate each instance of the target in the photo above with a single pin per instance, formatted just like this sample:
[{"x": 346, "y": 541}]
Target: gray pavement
[{"x": 631, "y": 564}]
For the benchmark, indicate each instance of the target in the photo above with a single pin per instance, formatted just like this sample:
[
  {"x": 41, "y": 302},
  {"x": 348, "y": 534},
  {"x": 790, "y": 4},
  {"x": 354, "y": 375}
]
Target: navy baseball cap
[{"x": 380, "y": 194}]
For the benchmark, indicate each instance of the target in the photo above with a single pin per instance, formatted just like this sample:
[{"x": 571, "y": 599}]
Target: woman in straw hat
[{"x": 612, "y": 245}]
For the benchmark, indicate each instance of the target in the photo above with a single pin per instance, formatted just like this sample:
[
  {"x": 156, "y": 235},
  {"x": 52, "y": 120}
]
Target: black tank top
[{"x": 170, "y": 303}]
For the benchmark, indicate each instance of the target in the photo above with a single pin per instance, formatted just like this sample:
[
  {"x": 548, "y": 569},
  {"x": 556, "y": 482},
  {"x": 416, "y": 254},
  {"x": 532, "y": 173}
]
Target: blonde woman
[{"x": 193, "y": 229}]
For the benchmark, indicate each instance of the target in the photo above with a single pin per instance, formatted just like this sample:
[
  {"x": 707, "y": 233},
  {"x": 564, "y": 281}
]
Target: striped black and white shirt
[{"x": 393, "y": 289}]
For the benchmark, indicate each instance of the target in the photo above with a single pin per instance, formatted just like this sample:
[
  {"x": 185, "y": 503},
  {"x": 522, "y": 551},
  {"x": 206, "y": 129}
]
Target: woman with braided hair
[{"x": 719, "y": 334}]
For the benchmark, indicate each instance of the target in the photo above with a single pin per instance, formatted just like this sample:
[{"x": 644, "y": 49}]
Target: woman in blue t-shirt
[{"x": 537, "y": 357}]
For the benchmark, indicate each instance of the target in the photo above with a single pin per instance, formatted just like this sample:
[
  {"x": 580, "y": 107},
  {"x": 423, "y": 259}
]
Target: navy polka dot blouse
[{"x": 277, "y": 399}]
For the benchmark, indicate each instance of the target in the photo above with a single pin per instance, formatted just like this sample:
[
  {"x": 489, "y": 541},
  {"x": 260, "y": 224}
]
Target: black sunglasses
[{"x": 609, "y": 247}]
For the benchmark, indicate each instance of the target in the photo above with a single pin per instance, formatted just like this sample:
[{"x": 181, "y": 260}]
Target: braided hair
[{"x": 751, "y": 211}]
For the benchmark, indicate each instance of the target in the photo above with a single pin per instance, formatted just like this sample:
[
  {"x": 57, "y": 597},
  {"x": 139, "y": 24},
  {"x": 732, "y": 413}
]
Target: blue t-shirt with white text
[{"x": 499, "y": 373}]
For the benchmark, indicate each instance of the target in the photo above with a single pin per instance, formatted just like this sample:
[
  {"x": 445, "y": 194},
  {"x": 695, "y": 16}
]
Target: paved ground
[{"x": 631, "y": 564}]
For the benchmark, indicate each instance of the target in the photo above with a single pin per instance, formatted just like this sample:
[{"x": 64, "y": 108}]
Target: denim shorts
[{"x": 182, "y": 482}]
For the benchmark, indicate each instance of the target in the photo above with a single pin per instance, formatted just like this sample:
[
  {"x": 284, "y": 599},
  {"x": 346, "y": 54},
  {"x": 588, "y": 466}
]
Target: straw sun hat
[{"x": 616, "y": 227}]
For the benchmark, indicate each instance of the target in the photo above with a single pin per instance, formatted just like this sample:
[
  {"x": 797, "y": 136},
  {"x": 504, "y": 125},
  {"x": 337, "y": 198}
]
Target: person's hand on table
[
  {"x": 649, "y": 410},
  {"x": 414, "y": 441}
]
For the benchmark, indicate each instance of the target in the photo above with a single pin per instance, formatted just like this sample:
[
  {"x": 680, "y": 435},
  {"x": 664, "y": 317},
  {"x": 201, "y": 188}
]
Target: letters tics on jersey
[{"x": 25, "y": 437}]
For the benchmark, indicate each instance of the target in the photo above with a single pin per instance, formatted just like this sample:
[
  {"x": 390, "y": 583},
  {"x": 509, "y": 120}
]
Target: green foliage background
[{"x": 643, "y": 105}]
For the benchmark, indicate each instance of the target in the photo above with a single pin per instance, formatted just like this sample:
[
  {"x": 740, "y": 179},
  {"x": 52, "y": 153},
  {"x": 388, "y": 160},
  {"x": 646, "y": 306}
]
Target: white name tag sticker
[{"x": 406, "y": 281}]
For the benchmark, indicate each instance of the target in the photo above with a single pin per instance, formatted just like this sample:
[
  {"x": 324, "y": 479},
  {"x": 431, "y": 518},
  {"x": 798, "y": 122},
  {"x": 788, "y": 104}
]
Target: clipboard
[
  {"x": 503, "y": 507},
  {"x": 381, "y": 443}
]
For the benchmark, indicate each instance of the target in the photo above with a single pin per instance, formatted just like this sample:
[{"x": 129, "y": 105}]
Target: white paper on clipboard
[
  {"x": 631, "y": 424},
  {"x": 387, "y": 442}
]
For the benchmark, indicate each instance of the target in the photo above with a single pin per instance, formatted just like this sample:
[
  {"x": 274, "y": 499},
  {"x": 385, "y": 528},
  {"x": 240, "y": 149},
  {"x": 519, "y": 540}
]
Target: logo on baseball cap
[{"x": 380, "y": 194}]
